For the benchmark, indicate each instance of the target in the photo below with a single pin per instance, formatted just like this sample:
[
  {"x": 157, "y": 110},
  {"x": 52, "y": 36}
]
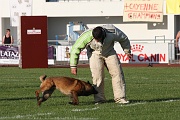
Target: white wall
[
  {"x": 84, "y": 8},
  {"x": 91, "y": 13},
  {"x": 66, "y": 9},
  {"x": 5, "y": 20},
  {"x": 0, "y": 23},
  {"x": 0, "y": 30},
  {"x": 4, "y": 8}
]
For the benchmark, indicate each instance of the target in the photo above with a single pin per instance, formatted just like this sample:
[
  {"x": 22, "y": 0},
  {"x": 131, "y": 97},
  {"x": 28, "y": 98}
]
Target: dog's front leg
[
  {"x": 37, "y": 94},
  {"x": 44, "y": 98},
  {"x": 74, "y": 98},
  {"x": 46, "y": 95}
]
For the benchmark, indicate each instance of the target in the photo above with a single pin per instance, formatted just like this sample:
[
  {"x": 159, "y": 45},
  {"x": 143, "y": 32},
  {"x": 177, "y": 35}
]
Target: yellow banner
[{"x": 173, "y": 6}]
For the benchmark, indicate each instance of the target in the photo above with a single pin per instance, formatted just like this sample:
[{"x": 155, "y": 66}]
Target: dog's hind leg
[{"x": 74, "y": 98}]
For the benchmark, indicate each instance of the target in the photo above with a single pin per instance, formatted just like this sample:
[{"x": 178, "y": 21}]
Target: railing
[
  {"x": 59, "y": 54},
  {"x": 173, "y": 52}
]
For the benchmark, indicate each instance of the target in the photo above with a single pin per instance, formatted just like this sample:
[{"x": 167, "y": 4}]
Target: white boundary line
[
  {"x": 86, "y": 109},
  {"x": 145, "y": 102}
]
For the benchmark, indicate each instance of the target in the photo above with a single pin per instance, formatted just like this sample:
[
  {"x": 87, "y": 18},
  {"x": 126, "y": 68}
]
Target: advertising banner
[
  {"x": 51, "y": 50},
  {"x": 63, "y": 53},
  {"x": 143, "y": 10},
  {"x": 10, "y": 55},
  {"x": 144, "y": 53},
  {"x": 141, "y": 53}
]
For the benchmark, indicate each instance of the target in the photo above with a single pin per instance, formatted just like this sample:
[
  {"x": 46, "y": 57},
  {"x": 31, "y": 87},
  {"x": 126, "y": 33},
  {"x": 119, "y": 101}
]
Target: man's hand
[
  {"x": 129, "y": 56},
  {"x": 74, "y": 71},
  {"x": 176, "y": 44}
]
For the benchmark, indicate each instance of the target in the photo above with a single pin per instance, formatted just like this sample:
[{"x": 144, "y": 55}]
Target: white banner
[
  {"x": 63, "y": 53},
  {"x": 19, "y": 8},
  {"x": 9, "y": 61},
  {"x": 33, "y": 31},
  {"x": 145, "y": 53},
  {"x": 143, "y": 10},
  {"x": 16, "y": 61},
  {"x": 141, "y": 53}
]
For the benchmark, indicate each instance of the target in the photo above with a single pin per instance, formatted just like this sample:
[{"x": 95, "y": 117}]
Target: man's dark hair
[
  {"x": 98, "y": 33},
  {"x": 8, "y": 30}
]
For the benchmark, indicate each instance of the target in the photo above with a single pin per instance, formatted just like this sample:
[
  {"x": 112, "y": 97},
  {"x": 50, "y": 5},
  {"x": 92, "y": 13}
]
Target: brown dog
[{"x": 68, "y": 86}]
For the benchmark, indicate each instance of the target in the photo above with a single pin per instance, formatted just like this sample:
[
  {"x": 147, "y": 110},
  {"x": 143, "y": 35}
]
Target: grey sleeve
[{"x": 123, "y": 40}]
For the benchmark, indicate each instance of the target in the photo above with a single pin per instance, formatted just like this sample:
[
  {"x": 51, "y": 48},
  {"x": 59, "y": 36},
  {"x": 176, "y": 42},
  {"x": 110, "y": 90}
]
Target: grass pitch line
[
  {"x": 145, "y": 102},
  {"x": 132, "y": 104},
  {"x": 85, "y": 109}
]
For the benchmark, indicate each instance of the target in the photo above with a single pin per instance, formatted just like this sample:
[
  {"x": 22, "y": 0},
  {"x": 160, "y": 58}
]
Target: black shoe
[{"x": 100, "y": 102}]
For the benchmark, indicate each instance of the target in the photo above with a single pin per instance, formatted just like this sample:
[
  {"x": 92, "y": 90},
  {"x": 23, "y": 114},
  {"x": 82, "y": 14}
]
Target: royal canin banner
[
  {"x": 141, "y": 53},
  {"x": 144, "y": 53}
]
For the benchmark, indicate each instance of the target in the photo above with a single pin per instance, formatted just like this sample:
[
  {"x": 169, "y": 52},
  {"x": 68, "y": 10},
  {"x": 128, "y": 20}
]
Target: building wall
[
  {"x": 91, "y": 13},
  {"x": 66, "y": 9},
  {"x": 57, "y": 26}
]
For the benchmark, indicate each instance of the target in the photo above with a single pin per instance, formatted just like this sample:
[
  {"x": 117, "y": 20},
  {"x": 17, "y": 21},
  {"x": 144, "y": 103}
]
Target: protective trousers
[{"x": 116, "y": 72}]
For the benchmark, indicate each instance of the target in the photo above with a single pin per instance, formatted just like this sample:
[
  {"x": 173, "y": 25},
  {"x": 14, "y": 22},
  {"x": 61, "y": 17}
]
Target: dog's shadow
[
  {"x": 25, "y": 98},
  {"x": 14, "y": 99}
]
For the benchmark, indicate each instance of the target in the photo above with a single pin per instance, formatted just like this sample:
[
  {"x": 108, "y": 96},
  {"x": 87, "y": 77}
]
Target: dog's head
[
  {"x": 42, "y": 77},
  {"x": 90, "y": 89}
]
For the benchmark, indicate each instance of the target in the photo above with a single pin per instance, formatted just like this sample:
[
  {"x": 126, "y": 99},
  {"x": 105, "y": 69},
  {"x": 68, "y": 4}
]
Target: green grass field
[{"x": 154, "y": 93}]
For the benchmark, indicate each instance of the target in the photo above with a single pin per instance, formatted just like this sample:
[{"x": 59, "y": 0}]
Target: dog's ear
[
  {"x": 88, "y": 82},
  {"x": 42, "y": 78}
]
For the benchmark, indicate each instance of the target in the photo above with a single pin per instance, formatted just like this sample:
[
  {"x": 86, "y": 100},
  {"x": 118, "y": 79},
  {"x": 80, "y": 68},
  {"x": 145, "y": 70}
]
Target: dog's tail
[{"x": 42, "y": 78}]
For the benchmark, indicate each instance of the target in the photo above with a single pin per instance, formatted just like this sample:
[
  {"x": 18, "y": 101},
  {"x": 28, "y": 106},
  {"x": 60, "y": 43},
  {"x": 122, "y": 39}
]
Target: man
[
  {"x": 7, "y": 39},
  {"x": 100, "y": 49},
  {"x": 177, "y": 40}
]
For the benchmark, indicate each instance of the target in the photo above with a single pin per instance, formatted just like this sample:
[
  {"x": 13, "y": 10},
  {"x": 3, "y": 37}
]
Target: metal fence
[
  {"x": 173, "y": 52},
  {"x": 59, "y": 52}
]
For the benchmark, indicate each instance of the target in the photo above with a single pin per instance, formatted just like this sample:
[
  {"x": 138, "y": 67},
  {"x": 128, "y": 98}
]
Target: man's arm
[
  {"x": 177, "y": 38},
  {"x": 12, "y": 40},
  {"x": 80, "y": 44},
  {"x": 3, "y": 40},
  {"x": 123, "y": 40}
]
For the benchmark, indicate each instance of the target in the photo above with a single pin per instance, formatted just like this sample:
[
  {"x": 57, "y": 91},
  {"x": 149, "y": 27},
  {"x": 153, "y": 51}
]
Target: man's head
[
  {"x": 8, "y": 31},
  {"x": 99, "y": 33}
]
